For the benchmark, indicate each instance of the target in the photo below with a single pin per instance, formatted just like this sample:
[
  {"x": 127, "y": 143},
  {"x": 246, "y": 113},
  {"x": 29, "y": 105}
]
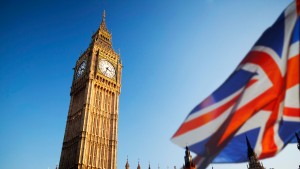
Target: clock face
[
  {"x": 81, "y": 69},
  {"x": 107, "y": 68}
]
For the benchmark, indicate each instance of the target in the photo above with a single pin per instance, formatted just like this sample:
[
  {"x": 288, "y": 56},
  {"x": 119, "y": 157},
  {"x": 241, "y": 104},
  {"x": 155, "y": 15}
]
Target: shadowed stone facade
[{"x": 91, "y": 133}]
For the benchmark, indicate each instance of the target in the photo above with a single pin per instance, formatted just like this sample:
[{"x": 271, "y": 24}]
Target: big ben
[{"x": 90, "y": 140}]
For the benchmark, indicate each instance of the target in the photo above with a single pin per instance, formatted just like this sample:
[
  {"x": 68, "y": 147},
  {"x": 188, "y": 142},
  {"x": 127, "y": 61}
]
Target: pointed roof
[
  {"x": 250, "y": 150},
  {"x": 298, "y": 139},
  {"x": 127, "y": 164},
  {"x": 103, "y": 25},
  {"x": 253, "y": 160},
  {"x": 138, "y": 167}
]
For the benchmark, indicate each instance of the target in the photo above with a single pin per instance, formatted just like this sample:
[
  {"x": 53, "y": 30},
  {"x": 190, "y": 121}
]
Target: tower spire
[
  {"x": 250, "y": 150},
  {"x": 103, "y": 25},
  {"x": 248, "y": 143},
  {"x": 138, "y": 167},
  {"x": 253, "y": 161},
  {"x": 127, "y": 164}
]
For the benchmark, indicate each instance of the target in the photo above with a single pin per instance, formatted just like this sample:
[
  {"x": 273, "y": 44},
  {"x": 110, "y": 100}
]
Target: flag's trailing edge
[{"x": 260, "y": 99}]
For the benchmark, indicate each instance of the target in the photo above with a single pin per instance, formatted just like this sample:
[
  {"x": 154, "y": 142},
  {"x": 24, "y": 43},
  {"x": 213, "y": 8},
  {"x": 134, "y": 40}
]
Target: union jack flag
[{"x": 260, "y": 99}]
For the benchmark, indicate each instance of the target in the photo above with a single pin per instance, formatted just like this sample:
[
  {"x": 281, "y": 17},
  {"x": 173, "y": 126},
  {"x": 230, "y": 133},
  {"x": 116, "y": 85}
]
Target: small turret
[
  {"x": 189, "y": 164},
  {"x": 138, "y": 167},
  {"x": 127, "y": 164}
]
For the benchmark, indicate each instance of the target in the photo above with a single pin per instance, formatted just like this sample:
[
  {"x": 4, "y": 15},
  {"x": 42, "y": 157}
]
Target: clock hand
[{"x": 107, "y": 69}]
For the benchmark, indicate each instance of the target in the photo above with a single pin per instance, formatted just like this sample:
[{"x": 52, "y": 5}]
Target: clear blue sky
[{"x": 175, "y": 54}]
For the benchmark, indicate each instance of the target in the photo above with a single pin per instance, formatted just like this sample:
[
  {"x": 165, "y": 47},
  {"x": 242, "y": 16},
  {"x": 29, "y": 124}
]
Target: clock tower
[{"x": 91, "y": 133}]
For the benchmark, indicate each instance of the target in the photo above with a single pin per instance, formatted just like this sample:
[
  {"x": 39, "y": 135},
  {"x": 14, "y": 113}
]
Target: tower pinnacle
[
  {"x": 189, "y": 164},
  {"x": 253, "y": 160},
  {"x": 250, "y": 150},
  {"x": 103, "y": 25},
  {"x": 139, "y": 167},
  {"x": 127, "y": 164}
]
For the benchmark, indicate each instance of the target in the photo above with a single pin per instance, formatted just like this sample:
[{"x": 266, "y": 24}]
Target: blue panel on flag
[
  {"x": 287, "y": 130},
  {"x": 234, "y": 83},
  {"x": 199, "y": 148},
  {"x": 295, "y": 35},
  {"x": 236, "y": 149},
  {"x": 273, "y": 37}
]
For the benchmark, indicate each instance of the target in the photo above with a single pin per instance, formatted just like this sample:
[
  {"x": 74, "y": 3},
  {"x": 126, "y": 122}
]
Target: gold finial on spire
[{"x": 103, "y": 14}]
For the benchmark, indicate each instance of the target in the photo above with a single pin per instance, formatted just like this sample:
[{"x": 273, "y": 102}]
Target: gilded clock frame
[
  {"x": 78, "y": 63},
  {"x": 115, "y": 65}
]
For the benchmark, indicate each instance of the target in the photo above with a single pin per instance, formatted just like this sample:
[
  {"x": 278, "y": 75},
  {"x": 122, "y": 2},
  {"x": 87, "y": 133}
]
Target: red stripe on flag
[
  {"x": 292, "y": 112},
  {"x": 244, "y": 113},
  {"x": 267, "y": 63},
  {"x": 270, "y": 67},
  {"x": 205, "y": 118},
  {"x": 298, "y": 6},
  {"x": 269, "y": 147}
]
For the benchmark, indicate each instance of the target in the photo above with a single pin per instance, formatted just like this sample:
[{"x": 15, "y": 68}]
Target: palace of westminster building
[{"x": 90, "y": 140}]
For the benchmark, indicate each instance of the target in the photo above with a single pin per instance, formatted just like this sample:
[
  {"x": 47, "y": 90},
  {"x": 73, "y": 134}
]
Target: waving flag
[{"x": 260, "y": 99}]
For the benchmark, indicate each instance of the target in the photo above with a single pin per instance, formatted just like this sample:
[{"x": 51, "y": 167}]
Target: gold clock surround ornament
[
  {"x": 107, "y": 68},
  {"x": 81, "y": 69}
]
